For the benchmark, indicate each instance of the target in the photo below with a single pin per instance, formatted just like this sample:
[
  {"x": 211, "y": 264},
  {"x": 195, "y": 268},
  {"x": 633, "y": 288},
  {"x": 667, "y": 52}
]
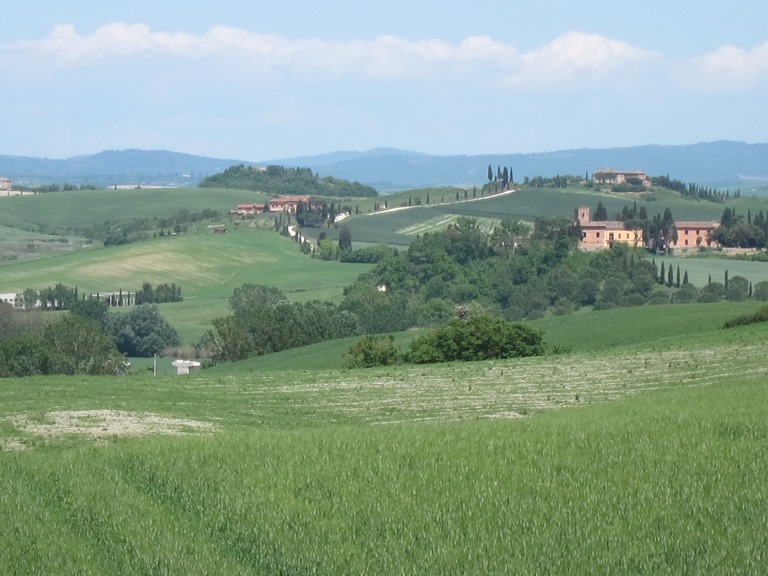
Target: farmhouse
[
  {"x": 5, "y": 184},
  {"x": 596, "y": 235},
  {"x": 9, "y": 298},
  {"x": 291, "y": 203},
  {"x": 694, "y": 234},
  {"x": 610, "y": 176},
  {"x": 248, "y": 209}
]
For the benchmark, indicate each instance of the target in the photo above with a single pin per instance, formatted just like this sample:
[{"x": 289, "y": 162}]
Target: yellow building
[{"x": 601, "y": 234}]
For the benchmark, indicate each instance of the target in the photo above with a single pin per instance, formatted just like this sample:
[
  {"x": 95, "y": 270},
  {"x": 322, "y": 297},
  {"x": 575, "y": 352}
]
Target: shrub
[
  {"x": 373, "y": 351},
  {"x": 477, "y": 338},
  {"x": 760, "y": 316},
  {"x": 760, "y": 291}
]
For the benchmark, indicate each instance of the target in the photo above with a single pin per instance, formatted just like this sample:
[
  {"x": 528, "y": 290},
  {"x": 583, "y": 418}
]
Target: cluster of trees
[
  {"x": 161, "y": 294},
  {"x": 264, "y": 321},
  {"x": 464, "y": 338},
  {"x": 693, "y": 190},
  {"x": 511, "y": 270},
  {"x": 278, "y": 180},
  {"x": 503, "y": 175},
  {"x": 89, "y": 339},
  {"x": 739, "y": 232}
]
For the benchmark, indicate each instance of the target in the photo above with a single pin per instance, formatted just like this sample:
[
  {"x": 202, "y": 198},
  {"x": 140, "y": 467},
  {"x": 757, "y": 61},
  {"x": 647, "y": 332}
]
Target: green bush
[
  {"x": 373, "y": 351},
  {"x": 477, "y": 338},
  {"x": 760, "y": 316}
]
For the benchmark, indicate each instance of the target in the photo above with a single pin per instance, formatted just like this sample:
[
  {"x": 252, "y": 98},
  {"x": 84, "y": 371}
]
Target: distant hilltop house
[
  {"x": 248, "y": 209},
  {"x": 5, "y": 183},
  {"x": 610, "y": 176},
  {"x": 280, "y": 204},
  {"x": 291, "y": 203},
  {"x": 599, "y": 234}
]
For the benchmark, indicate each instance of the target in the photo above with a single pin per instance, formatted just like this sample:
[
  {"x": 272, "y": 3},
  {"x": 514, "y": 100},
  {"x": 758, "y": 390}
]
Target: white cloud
[
  {"x": 728, "y": 68},
  {"x": 572, "y": 59},
  {"x": 577, "y": 55}
]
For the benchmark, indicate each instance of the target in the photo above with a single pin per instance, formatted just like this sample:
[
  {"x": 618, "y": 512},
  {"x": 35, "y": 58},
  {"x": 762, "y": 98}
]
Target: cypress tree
[
  {"x": 726, "y": 280},
  {"x": 661, "y": 275},
  {"x": 670, "y": 276},
  {"x": 685, "y": 277},
  {"x": 677, "y": 278}
]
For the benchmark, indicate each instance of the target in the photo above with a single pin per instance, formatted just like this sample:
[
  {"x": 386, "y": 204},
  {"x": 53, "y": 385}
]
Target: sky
[{"x": 260, "y": 80}]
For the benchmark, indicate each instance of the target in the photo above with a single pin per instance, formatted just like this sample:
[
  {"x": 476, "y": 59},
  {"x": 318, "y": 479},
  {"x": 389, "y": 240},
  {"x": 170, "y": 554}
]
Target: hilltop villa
[
  {"x": 610, "y": 176},
  {"x": 5, "y": 183}
]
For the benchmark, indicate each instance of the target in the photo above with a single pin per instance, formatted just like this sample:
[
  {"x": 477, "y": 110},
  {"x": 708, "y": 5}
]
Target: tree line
[{"x": 62, "y": 297}]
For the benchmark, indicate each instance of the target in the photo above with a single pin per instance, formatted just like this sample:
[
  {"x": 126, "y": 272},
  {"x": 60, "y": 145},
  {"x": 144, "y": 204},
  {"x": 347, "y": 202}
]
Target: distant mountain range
[{"x": 722, "y": 163}]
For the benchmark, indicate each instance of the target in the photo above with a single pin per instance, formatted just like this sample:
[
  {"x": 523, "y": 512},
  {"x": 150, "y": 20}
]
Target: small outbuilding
[{"x": 185, "y": 366}]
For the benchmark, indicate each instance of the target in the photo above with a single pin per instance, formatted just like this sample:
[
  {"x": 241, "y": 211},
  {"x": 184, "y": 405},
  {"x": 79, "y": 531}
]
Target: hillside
[{"x": 386, "y": 169}]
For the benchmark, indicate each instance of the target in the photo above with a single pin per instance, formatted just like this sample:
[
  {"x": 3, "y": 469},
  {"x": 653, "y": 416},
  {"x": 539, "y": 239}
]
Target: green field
[
  {"x": 628, "y": 460},
  {"x": 208, "y": 267},
  {"x": 61, "y": 211}
]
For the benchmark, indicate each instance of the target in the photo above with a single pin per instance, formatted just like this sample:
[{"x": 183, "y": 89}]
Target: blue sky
[{"x": 269, "y": 79}]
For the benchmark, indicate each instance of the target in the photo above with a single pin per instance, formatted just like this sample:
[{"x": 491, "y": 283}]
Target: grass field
[
  {"x": 208, "y": 267},
  {"x": 60, "y": 211},
  {"x": 622, "y": 461}
]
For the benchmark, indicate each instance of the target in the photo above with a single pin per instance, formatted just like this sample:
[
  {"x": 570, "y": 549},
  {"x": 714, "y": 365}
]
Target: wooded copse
[
  {"x": 88, "y": 339},
  {"x": 277, "y": 180}
]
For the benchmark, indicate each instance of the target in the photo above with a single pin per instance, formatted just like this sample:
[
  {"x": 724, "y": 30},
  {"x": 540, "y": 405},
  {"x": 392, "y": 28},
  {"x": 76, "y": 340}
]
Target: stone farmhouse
[
  {"x": 291, "y": 203},
  {"x": 5, "y": 183},
  {"x": 694, "y": 234},
  {"x": 288, "y": 204},
  {"x": 247, "y": 209},
  {"x": 597, "y": 235},
  {"x": 610, "y": 176}
]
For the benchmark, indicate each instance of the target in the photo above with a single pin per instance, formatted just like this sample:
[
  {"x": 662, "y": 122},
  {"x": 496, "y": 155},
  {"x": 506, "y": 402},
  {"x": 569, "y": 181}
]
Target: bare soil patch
[{"x": 99, "y": 424}]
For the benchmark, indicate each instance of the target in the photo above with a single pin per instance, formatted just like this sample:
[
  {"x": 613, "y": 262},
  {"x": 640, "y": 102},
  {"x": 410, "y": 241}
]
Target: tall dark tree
[
  {"x": 345, "y": 239},
  {"x": 601, "y": 213},
  {"x": 490, "y": 173}
]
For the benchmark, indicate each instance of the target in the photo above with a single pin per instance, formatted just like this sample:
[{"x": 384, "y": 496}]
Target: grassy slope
[
  {"x": 642, "y": 327},
  {"x": 208, "y": 267},
  {"x": 61, "y": 211},
  {"x": 665, "y": 479}
]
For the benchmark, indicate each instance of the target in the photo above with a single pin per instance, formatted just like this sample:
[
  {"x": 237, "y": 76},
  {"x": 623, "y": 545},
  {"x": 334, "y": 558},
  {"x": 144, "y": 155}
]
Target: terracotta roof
[{"x": 697, "y": 224}]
